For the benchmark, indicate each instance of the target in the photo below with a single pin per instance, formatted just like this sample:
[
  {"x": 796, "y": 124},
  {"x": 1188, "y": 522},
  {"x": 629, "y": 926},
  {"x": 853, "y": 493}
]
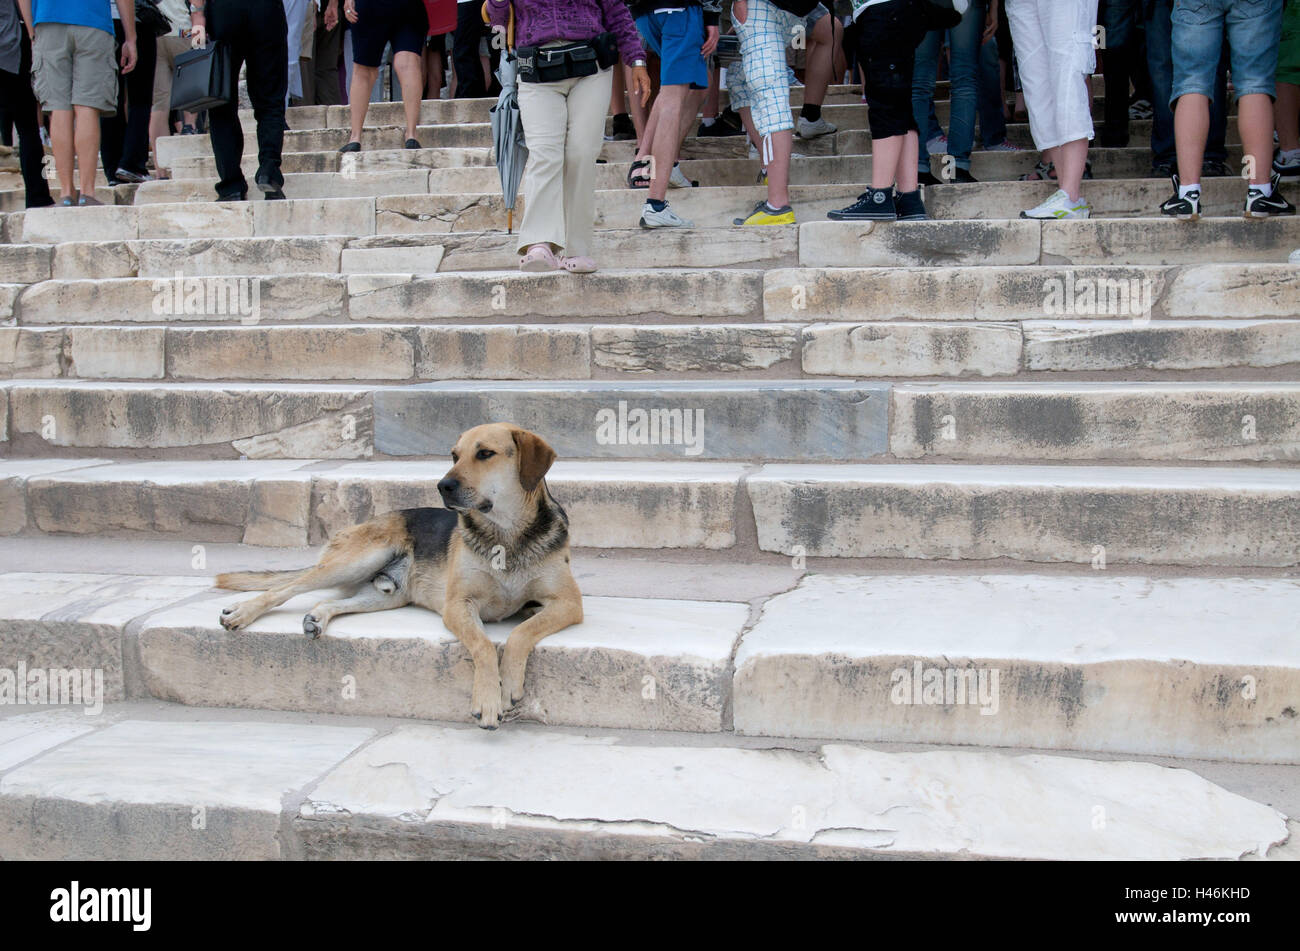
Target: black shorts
[
  {"x": 403, "y": 23},
  {"x": 888, "y": 35}
]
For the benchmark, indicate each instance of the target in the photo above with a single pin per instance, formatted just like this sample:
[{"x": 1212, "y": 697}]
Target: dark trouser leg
[
  {"x": 325, "y": 63},
  {"x": 112, "y": 128},
  {"x": 16, "y": 91},
  {"x": 469, "y": 70},
  {"x": 267, "y": 85},
  {"x": 139, "y": 99}
]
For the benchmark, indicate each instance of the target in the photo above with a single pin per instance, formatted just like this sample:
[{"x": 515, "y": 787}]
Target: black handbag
[
  {"x": 204, "y": 78},
  {"x": 149, "y": 17}
]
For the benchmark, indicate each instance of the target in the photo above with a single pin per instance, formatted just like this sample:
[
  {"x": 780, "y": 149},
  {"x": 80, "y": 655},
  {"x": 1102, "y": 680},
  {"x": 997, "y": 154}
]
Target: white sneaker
[
  {"x": 678, "y": 179},
  {"x": 1059, "y": 206},
  {"x": 938, "y": 145},
  {"x": 1295, "y": 257},
  {"x": 808, "y": 129},
  {"x": 1003, "y": 146},
  {"x": 662, "y": 219}
]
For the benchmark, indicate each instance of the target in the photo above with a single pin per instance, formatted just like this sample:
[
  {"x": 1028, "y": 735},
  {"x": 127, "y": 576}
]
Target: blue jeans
[
  {"x": 964, "y": 49},
  {"x": 1160, "y": 63}
]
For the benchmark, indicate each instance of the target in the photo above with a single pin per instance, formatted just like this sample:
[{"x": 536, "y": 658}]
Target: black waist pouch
[{"x": 555, "y": 63}]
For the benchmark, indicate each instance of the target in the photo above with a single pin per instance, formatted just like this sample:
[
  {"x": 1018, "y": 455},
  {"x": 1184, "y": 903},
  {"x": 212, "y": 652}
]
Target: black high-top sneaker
[
  {"x": 1259, "y": 205},
  {"x": 1189, "y": 208},
  {"x": 874, "y": 204},
  {"x": 910, "y": 207}
]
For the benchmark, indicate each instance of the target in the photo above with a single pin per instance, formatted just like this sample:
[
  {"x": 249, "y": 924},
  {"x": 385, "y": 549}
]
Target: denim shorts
[{"x": 1254, "y": 30}]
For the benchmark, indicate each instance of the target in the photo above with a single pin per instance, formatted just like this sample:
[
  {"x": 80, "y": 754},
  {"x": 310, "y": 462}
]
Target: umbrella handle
[{"x": 510, "y": 25}]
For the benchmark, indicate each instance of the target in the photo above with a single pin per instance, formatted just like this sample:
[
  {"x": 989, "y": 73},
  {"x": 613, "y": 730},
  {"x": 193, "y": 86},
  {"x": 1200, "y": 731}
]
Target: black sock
[
  {"x": 656, "y": 204},
  {"x": 810, "y": 112}
]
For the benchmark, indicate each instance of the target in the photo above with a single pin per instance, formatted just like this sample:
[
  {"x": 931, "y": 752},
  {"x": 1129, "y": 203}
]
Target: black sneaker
[
  {"x": 964, "y": 177},
  {"x": 1188, "y": 209},
  {"x": 874, "y": 204},
  {"x": 1258, "y": 205},
  {"x": 1215, "y": 170},
  {"x": 909, "y": 206},
  {"x": 926, "y": 178},
  {"x": 624, "y": 130},
  {"x": 727, "y": 123}
]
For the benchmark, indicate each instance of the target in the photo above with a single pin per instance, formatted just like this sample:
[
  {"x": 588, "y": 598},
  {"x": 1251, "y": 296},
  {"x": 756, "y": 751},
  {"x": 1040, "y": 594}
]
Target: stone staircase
[{"x": 975, "y": 537}]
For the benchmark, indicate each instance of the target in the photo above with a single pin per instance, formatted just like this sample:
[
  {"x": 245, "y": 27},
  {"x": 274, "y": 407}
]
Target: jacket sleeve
[
  {"x": 618, "y": 21},
  {"x": 712, "y": 11}
]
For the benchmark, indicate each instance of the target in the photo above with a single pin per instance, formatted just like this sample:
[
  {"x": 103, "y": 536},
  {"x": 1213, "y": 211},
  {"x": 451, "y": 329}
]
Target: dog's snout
[{"x": 448, "y": 485}]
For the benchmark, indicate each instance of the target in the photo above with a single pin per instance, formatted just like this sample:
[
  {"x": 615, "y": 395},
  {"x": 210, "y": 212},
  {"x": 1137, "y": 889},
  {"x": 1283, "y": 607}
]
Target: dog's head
[{"x": 495, "y": 467}]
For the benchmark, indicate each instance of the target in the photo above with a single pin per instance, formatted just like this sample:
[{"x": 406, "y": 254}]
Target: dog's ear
[{"x": 535, "y": 458}]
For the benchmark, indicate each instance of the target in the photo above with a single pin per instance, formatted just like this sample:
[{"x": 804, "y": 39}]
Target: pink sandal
[
  {"x": 578, "y": 265},
  {"x": 539, "y": 258}
]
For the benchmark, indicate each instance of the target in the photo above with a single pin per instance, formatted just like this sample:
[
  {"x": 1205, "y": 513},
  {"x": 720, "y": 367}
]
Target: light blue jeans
[{"x": 963, "y": 72}]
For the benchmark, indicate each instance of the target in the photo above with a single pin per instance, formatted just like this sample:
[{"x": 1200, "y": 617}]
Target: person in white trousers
[{"x": 1054, "y": 47}]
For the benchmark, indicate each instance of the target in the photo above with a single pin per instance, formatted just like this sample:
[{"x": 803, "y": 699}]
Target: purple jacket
[{"x": 544, "y": 21}]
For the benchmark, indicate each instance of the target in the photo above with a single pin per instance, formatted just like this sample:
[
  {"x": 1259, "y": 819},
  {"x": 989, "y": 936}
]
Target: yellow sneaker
[{"x": 765, "y": 215}]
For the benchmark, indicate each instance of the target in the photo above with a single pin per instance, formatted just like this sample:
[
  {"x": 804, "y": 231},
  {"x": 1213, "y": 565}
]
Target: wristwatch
[{"x": 638, "y": 62}]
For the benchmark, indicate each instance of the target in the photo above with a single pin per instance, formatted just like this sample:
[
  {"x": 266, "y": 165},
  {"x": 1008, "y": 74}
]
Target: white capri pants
[{"x": 1054, "y": 50}]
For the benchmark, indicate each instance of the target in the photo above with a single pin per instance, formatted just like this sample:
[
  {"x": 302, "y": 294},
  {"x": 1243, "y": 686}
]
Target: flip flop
[{"x": 639, "y": 181}]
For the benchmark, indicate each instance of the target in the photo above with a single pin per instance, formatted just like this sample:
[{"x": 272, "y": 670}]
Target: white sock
[
  {"x": 706, "y": 122},
  {"x": 1185, "y": 190},
  {"x": 1266, "y": 189}
]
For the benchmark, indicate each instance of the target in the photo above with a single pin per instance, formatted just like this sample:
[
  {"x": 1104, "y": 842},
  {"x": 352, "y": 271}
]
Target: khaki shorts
[
  {"x": 74, "y": 66},
  {"x": 169, "y": 47}
]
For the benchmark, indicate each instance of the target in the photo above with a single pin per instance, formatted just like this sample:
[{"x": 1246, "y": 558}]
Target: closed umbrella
[{"x": 508, "y": 137}]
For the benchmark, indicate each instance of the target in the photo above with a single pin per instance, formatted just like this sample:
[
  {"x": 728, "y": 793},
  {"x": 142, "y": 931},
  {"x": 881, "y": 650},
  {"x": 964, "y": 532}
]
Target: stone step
[
  {"x": 477, "y": 135},
  {"x": 390, "y": 214},
  {"x": 1099, "y": 516},
  {"x": 568, "y": 351},
  {"x": 1116, "y": 295},
  {"x": 1131, "y": 241},
  {"x": 1152, "y": 240},
  {"x": 1113, "y": 664},
  {"x": 473, "y": 171},
  {"x": 701, "y": 420},
  {"x": 283, "y": 786},
  {"x": 476, "y": 110},
  {"x": 292, "y": 504},
  {"x": 1127, "y": 198},
  {"x": 1168, "y": 515},
  {"x": 758, "y": 419}
]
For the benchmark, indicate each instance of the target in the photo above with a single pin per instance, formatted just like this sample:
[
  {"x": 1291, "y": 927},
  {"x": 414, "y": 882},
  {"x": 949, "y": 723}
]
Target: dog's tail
[{"x": 254, "y": 580}]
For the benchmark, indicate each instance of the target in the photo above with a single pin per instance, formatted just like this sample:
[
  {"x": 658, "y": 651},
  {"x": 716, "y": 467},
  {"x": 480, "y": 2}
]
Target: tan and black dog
[{"x": 501, "y": 545}]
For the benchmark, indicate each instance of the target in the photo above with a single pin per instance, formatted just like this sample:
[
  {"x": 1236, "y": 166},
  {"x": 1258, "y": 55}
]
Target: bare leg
[
  {"x": 363, "y": 83},
  {"x": 1191, "y": 125},
  {"x": 411, "y": 76},
  {"x": 1071, "y": 159},
  {"x": 65, "y": 151},
  {"x": 1255, "y": 120},
  {"x": 87, "y": 147}
]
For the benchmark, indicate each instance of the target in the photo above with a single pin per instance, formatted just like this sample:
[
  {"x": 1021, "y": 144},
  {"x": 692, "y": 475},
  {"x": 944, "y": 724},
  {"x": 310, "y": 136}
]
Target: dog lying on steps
[{"x": 500, "y": 546}]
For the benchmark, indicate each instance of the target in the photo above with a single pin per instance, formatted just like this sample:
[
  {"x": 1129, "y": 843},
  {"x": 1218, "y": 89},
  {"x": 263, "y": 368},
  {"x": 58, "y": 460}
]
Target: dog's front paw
[
  {"x": 486, "y": 707},
  {"x": 237, "y": 616},
  {"x": 512, "y": 692},
  {"x": 312, "y": 626}
]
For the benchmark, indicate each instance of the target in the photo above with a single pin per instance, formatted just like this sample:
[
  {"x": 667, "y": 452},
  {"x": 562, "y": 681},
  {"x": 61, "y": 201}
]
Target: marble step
[
  {"x": 1098, "y": 516},
  {"x": 136, "y": 782}
]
